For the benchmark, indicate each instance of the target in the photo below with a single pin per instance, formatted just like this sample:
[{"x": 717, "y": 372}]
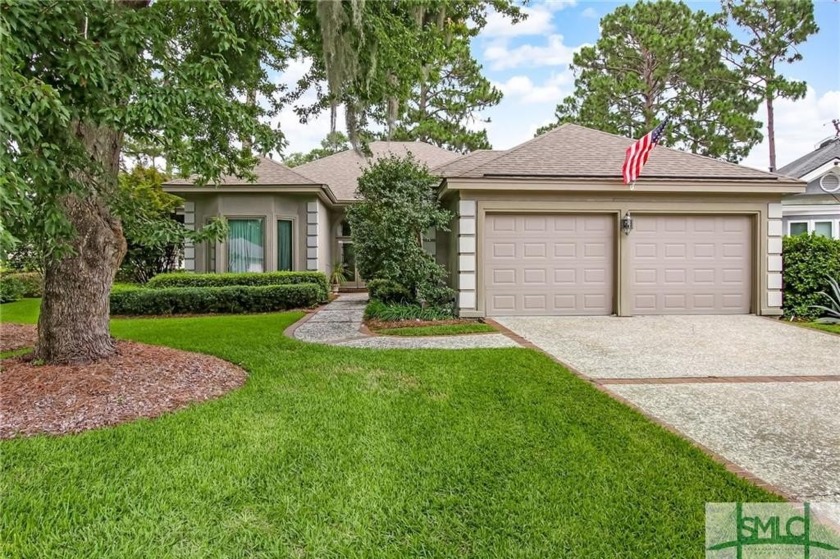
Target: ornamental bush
[
  {"x": 388, "y": 291},
  {"x": 809, "y": 260},
  {"x": 377, "y": 310},
  {"x": 187, "y": 279},
  {"x": 202, "y": 300},
  {"x": 11, "y": 289},
  {"x": 32, "y": 283}
]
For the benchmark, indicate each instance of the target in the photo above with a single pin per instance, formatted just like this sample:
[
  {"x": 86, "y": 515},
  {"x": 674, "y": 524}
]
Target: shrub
[
  {"x": 187, "y": 279},
  {"x": 11, "y": 289},
  {"x": 32, "y": 282},
  {"x": 377, "y": 310},
  {"x": 388, "y": 291},
  {"x": 809, "y": 260},
  {"x": 201, "y": 300}
]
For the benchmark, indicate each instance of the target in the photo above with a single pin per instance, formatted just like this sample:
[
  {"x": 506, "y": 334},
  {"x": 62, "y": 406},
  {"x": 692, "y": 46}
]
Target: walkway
[{"x": 340, "y": 323}]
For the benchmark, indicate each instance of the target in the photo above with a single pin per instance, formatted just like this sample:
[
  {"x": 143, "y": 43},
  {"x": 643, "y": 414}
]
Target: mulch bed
[
  {"x": 16, "y": 336},
  {"x": 139, "y": 381}
]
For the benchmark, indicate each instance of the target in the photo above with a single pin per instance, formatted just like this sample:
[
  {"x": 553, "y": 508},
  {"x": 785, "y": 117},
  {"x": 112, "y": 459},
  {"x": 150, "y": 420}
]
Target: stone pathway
[{"x": 340, "y": 323}]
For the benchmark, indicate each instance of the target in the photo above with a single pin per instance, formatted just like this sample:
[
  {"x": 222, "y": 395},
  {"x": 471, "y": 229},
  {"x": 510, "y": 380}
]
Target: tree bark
[
  {"x": 73, "y": 325},
  {"x": 771, "y": 133}
]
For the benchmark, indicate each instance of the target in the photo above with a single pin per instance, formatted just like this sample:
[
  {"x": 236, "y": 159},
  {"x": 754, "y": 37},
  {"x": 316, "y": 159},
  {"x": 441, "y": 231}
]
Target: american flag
[{"x": 638, "y": 153}]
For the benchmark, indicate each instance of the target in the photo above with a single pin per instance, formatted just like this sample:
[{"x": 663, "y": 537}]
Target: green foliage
[
  {"x": 202, "y": 300},
  {"x": 658, "y": 59},
  {"x": 398, "y": 205},
  {"x": 186, "y": 279},
  {"x": 379, "y": 57},
  {"x": 168, "y": 74},
  {"x": 832, "y": 299},
  {"x": 388, "y": 291},
  {"x": 809, "y": 262},
  {"x": 32, "y": 283},
  {"x": 154, "y": 238},
  {"x": 773, "y": 29},
  {"x": 377, "y": 310},
  {"x": 444, "y": 329},
  {"x": 335, "y": 142},
  {"x": 11, "y": 289}
]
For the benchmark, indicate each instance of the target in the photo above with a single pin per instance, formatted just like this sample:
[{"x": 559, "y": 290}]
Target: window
[
  {"x": 823, "y": 228},
  {"x": 211, "y": 256},
  {"x": 284, "y": 244},
  {"x": 345, "y": 229},
  {"x": 246, "y": 251},
  {"x": 798, "y": 227}
]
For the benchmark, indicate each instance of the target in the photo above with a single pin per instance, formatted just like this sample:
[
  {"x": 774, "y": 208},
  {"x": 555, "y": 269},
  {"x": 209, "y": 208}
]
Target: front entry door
[{"x": 348, "y": 260}]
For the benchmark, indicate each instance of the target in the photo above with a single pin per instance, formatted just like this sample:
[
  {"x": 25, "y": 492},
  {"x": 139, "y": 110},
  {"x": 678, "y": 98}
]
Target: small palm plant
[
  {"x": 832, "y": 311},
  {"x": 338, "y": 275}
]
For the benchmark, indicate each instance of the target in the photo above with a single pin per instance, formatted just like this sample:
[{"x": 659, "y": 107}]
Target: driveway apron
[{"x": 760, "y": 393}]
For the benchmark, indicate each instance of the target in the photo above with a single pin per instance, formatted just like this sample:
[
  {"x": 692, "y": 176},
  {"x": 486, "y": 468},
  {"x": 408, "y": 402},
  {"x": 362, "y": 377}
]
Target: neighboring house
[
  {"x": 545, "y": 228},
  {"x": 817, "y": 210}
]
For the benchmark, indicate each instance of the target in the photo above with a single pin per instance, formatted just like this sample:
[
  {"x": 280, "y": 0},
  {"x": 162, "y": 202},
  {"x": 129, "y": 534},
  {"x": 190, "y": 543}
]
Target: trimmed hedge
[
  {"x": 187, "y": 279},
  {"x": 11, "y": 289},
  {"x": 809, "y": 260},
  {"x": 202, "y": 300},
  {"x": 32, "y": 282},
  {"x": 377, "y": 310},
  {"x": 388, "y": 291}
]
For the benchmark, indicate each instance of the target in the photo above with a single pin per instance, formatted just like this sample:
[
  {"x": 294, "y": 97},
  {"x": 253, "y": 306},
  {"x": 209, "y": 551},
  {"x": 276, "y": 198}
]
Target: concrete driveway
[{"x": 762, "y": 394}]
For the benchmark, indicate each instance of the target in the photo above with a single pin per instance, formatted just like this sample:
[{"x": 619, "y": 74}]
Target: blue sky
[{"x": 529, "y": 62}]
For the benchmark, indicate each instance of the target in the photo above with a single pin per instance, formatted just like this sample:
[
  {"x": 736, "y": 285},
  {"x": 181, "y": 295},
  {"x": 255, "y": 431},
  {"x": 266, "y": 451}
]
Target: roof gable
[
  {"x": 341, "y": 171},
  {"x": 829, "y": 151},
  {"x": 576, "y": 151}
]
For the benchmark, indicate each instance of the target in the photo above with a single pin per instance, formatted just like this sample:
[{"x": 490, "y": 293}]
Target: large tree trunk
[
  {"x": 73, "y": 326},
  {"x": 771, "y": 133}
]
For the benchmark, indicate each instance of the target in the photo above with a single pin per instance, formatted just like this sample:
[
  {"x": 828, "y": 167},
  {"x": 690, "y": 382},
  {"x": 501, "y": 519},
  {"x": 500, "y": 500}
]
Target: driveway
[{"x": 763, "y": 394}]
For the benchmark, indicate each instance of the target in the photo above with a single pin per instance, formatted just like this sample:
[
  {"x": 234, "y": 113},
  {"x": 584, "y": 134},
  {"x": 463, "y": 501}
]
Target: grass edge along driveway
[{"x": 337, "y": 452}]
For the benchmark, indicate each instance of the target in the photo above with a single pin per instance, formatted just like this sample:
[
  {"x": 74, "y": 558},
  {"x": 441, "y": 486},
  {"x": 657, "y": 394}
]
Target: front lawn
[
  {"x": 834, "y": 328},
  {"x": 338, "y": 452}
]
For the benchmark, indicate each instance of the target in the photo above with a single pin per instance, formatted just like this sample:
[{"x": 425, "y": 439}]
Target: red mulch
[
  {"x": 139, "y": 381},
  {"x": 16, "y": 336}
]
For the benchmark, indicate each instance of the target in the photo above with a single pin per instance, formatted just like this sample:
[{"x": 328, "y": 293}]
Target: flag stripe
[{"x": 638, "y": 154}]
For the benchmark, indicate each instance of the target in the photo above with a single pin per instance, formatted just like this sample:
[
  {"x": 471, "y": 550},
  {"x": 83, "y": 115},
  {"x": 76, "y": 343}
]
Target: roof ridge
[
  {"x": 501, "y": 154},
  {"x": 289, "y": 169}
]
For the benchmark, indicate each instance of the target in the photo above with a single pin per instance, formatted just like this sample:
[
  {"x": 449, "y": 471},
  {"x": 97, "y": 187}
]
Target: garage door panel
[
  {"x": 690, "y": 265},
  {"x": 563, "y": 264}
]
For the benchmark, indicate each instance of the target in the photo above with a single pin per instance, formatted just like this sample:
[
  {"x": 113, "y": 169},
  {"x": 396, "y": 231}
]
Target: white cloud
[
  {"x": 521, "y": 88},
  {"x": 538, "y": 22},
  {"x": 501, "y": 56},
  {"x": 590, "y": 13},
  {"x": 800, "y": 125}
]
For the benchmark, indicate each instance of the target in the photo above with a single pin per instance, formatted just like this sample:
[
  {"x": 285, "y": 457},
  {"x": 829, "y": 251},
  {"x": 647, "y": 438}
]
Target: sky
[{"x": 529, "y": 63}]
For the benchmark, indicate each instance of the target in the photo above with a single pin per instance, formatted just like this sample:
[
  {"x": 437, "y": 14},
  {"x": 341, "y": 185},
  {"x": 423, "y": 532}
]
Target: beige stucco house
[{"x": 545, "y": 228}]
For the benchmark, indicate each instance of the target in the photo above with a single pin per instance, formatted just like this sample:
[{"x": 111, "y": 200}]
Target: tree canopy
[
  {"x": 773, "y": 29},
  {"x": 335, "y": 142},
  {"x": 658, "y": 59}
]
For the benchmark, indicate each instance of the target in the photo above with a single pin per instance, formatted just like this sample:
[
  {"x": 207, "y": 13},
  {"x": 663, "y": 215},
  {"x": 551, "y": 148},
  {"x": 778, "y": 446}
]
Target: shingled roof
[
  {"x": 268, "y": 173},
  {"x": 828, "y": 151},
  {"x": 467, "y": 162},
  {"x": 576, "y": 151},
  {"x": 342, "y": 170}
]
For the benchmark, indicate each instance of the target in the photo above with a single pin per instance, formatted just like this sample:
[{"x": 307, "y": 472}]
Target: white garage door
[
  {"x": 690, "y": 264},
  {"x": 552, "y": 264}
]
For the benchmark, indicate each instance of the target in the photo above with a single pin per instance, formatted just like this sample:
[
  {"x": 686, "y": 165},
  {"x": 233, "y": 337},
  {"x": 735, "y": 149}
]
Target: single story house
[
  {"x": 817, "y": 210},
  {"x": 544, "y": 228}
]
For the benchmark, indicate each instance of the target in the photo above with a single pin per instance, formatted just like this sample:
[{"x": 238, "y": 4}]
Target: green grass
[
  {"x": 835, "y": 328},
  {"x": 438, "y": 330},
  {"x": 339, "y": 452}
]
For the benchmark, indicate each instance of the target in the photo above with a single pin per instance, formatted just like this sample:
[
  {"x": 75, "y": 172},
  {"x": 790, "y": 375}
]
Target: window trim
[
  {"x": 811, "y": 225},
  {"x": 262, "y": 220},
  {"x": 293, "y": 220}
]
